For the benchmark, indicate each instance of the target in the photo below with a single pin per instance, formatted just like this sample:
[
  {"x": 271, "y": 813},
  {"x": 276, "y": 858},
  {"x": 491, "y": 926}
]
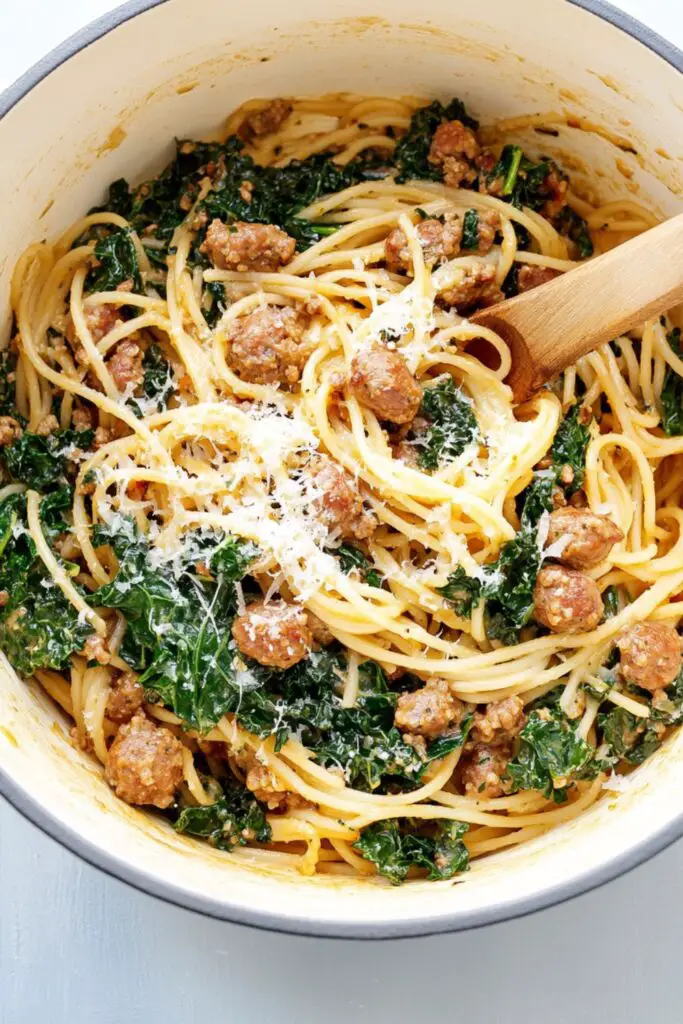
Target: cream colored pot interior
[{"x": 178, "y": 69}]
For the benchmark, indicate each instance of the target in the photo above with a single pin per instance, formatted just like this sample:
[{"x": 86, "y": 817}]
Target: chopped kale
[
  {"x": 234, "y": 819},
  {"x": 178, "y": 625},
  {"x": 465, "y": 592},
  {"x": 551, "y": 756},
  {"x": 506, "y": 171},
  {"x": 574, "y": 227},
  {"x": 8, "y": 368},
  {"x": 39, "y": 628},
  {"x": 627, "y": 737},
  {"x": 518, "y": 179},
  {"x": 361, "y": 740},
  {"x": 179, "y": 639},
  {"x": 507, "y": 584},
  {"x": 214, "y": 304},
  {"x": 277, "y": 194},
  {"x": 634, "y": 739},
  {"x": 351, "y": 557},
  {"x": 117, "y": 261},
  {"x": 158, "y": 201},
  {"x": 41, "y": 462},
  {"x": 671, "y": 397},
  {"x": 395, "y": 851},
  {"x": 412, "y": 150},
  {"x": 610, "y": 602},
  {"x": 157, "y": 382},
  {"x": 569, "y": 447},
  {"x": 537, "y": 498},
  {"x": 470, "y": 230},
  {"x": 452, "y": 424}
]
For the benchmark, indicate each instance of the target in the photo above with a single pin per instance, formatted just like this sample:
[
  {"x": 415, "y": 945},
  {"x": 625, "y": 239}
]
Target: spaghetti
[{"x": 275, "y": 536}]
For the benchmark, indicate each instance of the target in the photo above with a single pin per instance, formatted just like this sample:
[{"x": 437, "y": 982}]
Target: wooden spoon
[{"x": 548, "y": 328}]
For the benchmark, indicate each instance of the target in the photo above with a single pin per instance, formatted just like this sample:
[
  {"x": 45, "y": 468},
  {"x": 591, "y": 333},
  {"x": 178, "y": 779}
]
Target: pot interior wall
[{"x": 178, "y": 70}]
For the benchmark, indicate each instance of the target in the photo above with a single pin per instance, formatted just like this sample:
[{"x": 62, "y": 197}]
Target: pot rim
[{"x": 150, "y": 884}]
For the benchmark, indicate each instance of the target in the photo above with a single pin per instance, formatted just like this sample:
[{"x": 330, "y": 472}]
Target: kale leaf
[
  {"x": 412, "y": 150},
  {"x": 117, "y": 261},
  {"x": 508, "y": 583},
  {"x": 538, "y": 498},
  {"x": 465, "y": 592},
  {"x": 610, "y": 602},
  {"x": 572, "y": 226},
  {"x": 395, "y": 851},
  {"x": 569, "y": 447},
  {"x": 41, "y": 462},
  {"x": 39, "y": 628},
  {"x": 8, "y": 369},
  {"x": 178, "y": 625},
  {"x": 234, "y": 819},
  {"x": 634, "y": 739},
  {"x": 214, "y": 303},
  {"x": 524, "y": 180},
  {"x": 628, "y": 738},
  {"x": 671, "y": 397},
  {"x": 351, "y": 557},
  {"x": 470, "y": 229},
  {"x": 506, "y": 172},
  {"x": 157, "y": 382},
  {"x": 551, "y": 756},
  {"x": 452, "y": 424},
  {"x": 510, "y": 592}
]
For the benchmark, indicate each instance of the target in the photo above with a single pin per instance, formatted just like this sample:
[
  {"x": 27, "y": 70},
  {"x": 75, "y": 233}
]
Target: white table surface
[{"x": 77, "y": 946}]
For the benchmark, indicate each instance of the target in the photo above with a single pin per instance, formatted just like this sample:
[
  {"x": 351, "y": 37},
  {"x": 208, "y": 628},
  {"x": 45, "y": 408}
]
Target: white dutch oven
[{"x": 106, "y": 104}]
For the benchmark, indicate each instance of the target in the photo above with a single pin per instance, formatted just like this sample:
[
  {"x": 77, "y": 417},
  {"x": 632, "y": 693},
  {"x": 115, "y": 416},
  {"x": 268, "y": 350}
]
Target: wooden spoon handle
[{"x": 550, "y": 327}]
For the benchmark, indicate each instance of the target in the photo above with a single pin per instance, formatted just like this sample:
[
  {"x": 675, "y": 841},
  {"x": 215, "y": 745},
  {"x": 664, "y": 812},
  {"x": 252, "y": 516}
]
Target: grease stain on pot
[
  {"x": 9, "y": 736},
  {"x": 116, "y": 136}
]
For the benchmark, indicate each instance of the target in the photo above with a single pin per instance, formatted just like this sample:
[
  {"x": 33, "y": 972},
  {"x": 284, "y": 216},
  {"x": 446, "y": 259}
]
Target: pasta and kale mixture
[{"x": 272, "y": 532}]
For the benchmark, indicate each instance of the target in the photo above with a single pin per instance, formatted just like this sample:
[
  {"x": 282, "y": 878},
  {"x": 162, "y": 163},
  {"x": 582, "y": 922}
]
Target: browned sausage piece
[
  {"x": 650, "y": 654},
  {"x": 265, "y": 121},
  {"x": 476, "y": 287},
  {"x": 381, "y": 380},
  {"x": 322, "y": 636},
  {"x": 453, "y": 148},
  {"x": 567, "y": 601},
  {"x": 530, "y": 276},
  {"x": 439, "y": 242},
  {"x": 429, "y": 711},
  {"x": 243, "y": 246},
  {"x": 125, "y": 698},
  {"x": 502, "y": 719},
  {"x": 269, "y": 345},
  {"x": 273, "y": 633},
  {"x": 10, "y": 430},
  {"x": 589, "y": 537},
  {"x": 145, "y": 763},
  {"x": 125, "y": 364},
  {"x": 267, "y": 788},
  {"x": 102, "y": 319},
  {"x": 488, "y": 227},
  {"x": 557, "y": 188},
  {"x": 340, "y": 504},
  {"x": 95, "y": 649},
  {"x": 483, "y": 771}
]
